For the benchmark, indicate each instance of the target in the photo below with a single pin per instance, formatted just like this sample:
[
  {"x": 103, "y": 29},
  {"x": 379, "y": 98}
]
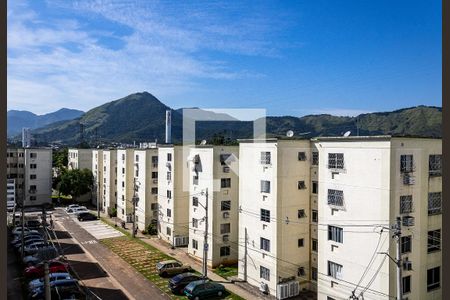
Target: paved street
[{"x": 98, "y": 229}]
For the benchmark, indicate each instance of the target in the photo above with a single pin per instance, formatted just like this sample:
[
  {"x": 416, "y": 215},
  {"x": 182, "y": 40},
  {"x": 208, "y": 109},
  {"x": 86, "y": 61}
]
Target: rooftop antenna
[
  {"x": 289, "y": 133},
  {"x": 203, "y": 142},
  {"x": 347, "y": 133}
]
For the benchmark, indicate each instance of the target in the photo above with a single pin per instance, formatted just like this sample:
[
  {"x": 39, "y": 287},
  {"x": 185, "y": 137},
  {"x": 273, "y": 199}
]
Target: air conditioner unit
[
  {"x": 155, "y": 180},
  {"x": 226, "y": 169},
  {"x": 408, "y": 221},
  {"x": 226, "y": 215},
  {"x": 408, "y": 179},
  {"x": 407, "y": 265},
  {"x": 226, "y": 238},
  {"x": 168, "y": 165},
  {"x": 263, "y": 287},
  {"x": 288, "y": 289}
]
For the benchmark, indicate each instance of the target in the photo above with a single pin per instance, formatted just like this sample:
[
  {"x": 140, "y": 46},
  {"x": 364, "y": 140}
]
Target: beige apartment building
[
  {"x": 173, "y": 195},
  {"x": 97, "y": 172},
  {"x": 80, "y": 159},
  {"x": 274, "y": 215},
  {"x": 214, "y": 169},
  {"x": 31, "y": 170},
  {"x": 366, "y": 183},
  {"x": 146, "y": 176},
  {"x": 125, "y": 184},
  {"x": 109, "y": 177}
]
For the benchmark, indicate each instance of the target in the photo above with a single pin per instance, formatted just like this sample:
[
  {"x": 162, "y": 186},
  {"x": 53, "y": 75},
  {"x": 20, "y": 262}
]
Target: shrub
[{"x": 113, "y": 212}]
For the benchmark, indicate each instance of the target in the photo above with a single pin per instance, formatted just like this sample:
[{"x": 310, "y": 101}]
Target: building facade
[
  {"x": 125, "y": 184},
  {"x": 214, "y": 169},
  {"x": 274, "y": 219},
  {"x": 109, "y": 186},
  {"x": 366, "y": 183},
  {"x": 10, "y": 194},
  {"x": 31, "y": 170},
  {"x": 80, "y": 159},
  {"x": 97, "y": 173}
]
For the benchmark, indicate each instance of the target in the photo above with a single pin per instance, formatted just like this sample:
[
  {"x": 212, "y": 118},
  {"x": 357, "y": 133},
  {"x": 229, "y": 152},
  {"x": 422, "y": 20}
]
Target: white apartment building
[
  {"x": 365, "y": 183},
  {"x": 31, "y": 169},
  {"x": 173, "y": 196},
  {"x": 146, "y": 176},
  {"x": 214, "y": 169},
  {"x": 109, "y": 186},
  {"x": 125, "y": 184},
  {"x": 10, "y": 194},
  {"x": 274, "y": 215},
  {"x": 80, "y": 159},
  {"x": 97, "y": 172}
]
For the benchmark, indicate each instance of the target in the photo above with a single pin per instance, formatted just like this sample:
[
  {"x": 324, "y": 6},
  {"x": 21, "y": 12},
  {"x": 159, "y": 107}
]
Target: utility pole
[
  {"x": 245, "y": 255},
  {"x": 205, "y": 241},
  {"x": 398, "y": 258}
]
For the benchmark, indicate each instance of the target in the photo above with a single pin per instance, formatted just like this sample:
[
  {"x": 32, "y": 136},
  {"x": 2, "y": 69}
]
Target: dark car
[
  {"x": 85, "y": 216},
  {"x": 64, "y": 284},
  {"x": 33, "y": 224},
  {"x": 179, "y": 282},
  {"x": 203, "y": 290}
]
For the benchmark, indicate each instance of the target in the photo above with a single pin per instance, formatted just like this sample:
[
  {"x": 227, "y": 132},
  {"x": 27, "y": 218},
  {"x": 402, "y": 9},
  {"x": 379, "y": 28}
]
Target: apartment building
[
  {"x": 97, "y": 172},
  {"x": 80, "y": 159},
  {"x": 274, "y": 215},
  {"x": 109, "y": 177},
  {"x": 173, "y": 195},
  {"x": 31, "y": 170},
  {"x": 214, "y": 169},
  {"x": 125, "y": 184},
  {"x": 146, "y": 176},
  {"x": 10, "y": 194},
  {"x": 366, "y": 183}
]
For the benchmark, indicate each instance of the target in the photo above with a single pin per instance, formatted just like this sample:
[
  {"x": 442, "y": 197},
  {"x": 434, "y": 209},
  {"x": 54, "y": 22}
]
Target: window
[
  {"x": 154, "y": 190},
  {"x": 264, "y": 273},
  {"x": 434, "y": 240},
  {"x": 223, "y": 158},
  {"x": 314, "y": 273},
  {"x": 154, "y": 175},
  {"x": 225, "y": 182},
  {"x": 302, "y": 156},
  {"x": 265, "y": 215},
  {"x": 301, "y": 213},
  {"x": 169, "y": 156},
  {"x": 225, "y": 251},
  {"x": 405, "y": 204},
  {"x": 335, "y": 160},
  {"x": 225, "y": 228},
  {"x": 194, "y": 201},
  {"x": 32, "y": 188},
  {"x": 225, "y": 205},
  {"x": 405, "y": 245},
  {"x": 301, "y": 185},
  {"x": 154, "y": 159},
  {"x": 123, "y": 156},
  {"x": 434, "y": 203},
  {"x": 335, "y": 198},
  {"x": 314, "y": 245},
  {"x": 406, "y": 163},
  {"x": 264, "y": 244},
  {"x": 435, "y": 165},
  {"x": 137, "y": 158},
  {"x": 265, "y": 186},
  {"x": 33, "y": 166},
  {"x": 315, "y": 216},
  {"x": 32, "y": 198},
  {"x": 169, "y": 213},
  {"x": 433, "y": 278},
  {"x": 32, "y": 176},
  {"x": 169, "y": 194},
  {"x": 195, "y": 244},
  {"x": 169, "y": 175},
  {"x": 334, "y": 270},
  {"x": 195, "y": 179},
  {"x": 123, "y": 170},
  {"x": 194, "y": 223},
  {"x": 406, "y": 284},
  {"x": 335, "y": 234},
  {"x": 168, "y": 231},
  {"x": 301, "y": 271},
  {"x": 154, "y": 206},
  {"x": 265, "y": 158},
  {"x": 33, "y": 155},
  {"x": 123, "y": 183},
  {"x": 137, "y": 173},
  {"x": 315, "y": 158},
  {"x": 315, "y": 187},
  {"x": 301, "y": 243}
]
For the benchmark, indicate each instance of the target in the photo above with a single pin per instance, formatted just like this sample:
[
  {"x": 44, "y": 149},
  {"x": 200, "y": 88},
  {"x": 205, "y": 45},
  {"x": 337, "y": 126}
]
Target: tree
[
  {"x": 76, "y": 182},
  {"x": 61, "y": 158}
]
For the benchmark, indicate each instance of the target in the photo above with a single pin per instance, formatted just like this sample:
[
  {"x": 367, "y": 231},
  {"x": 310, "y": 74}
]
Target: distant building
[
  {"x": 26, "y": 137},
  {"x": 11, "y": 194},
  {"x": 108, "y": 189},
  {"x": 80, "y": 159}
]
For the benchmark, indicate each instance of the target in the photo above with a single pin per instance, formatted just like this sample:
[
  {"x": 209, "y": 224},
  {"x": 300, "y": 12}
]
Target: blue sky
[{"x": 289, "y": 57}]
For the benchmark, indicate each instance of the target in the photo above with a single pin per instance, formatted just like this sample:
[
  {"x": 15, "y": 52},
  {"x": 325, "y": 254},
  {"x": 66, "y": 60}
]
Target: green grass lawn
[
  {"x": 226, "y": 271},
  {"x": 143, "y": 257}
]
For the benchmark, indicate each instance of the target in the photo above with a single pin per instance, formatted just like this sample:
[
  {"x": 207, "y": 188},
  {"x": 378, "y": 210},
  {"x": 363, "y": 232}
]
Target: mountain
[
  {"x": 140, "y": 117},
  {"x": 17, "y": 119}
]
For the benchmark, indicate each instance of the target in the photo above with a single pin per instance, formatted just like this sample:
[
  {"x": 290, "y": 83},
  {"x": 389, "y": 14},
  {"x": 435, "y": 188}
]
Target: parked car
[
  {"x": 32, "y": 260},
  {"x": 77, "y": 210},
  {"x": 35, "y": 247},
  {"x": 39, "y": 292},
  {"x": 171, "y": 267},
  {"x": 86, "y": 216},
  {"x": 61, "y": 292},
  {"x": 179, "y": 282},
  {"x": 38, "y": 270},
  {"x": 18, "y": 230},
  {"x": 33, "y": 224},
  {"x": 36, "y": 283},
  {"x": 71, "y": 206},
  {"x": 29, "y": 241},
  {"x": 18, "y": 239},
  {"x": 203, "y": 289}
]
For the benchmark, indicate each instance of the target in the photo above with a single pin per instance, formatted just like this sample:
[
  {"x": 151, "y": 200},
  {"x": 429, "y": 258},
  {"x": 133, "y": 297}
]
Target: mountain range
[
  {"x": 140, "y": 117},
  {"x": 17, "y": 119}
]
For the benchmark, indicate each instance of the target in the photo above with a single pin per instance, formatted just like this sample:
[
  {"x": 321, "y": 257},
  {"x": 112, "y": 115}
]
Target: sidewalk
[{"x": 181, "y": 255}]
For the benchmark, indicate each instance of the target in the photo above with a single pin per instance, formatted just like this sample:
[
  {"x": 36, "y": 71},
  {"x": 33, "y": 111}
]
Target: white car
[
  {"x": 18, "y": 230},
  {"x": 72, "y": 206},
  {"x": 77, "y": 210}
]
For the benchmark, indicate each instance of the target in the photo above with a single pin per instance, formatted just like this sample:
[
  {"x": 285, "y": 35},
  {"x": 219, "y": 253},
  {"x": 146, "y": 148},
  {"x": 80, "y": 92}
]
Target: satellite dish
[
  {"x": 347, "y": 133},
  {"x": 289, "y": 133},
  {"x": 203, "y": 142}
]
